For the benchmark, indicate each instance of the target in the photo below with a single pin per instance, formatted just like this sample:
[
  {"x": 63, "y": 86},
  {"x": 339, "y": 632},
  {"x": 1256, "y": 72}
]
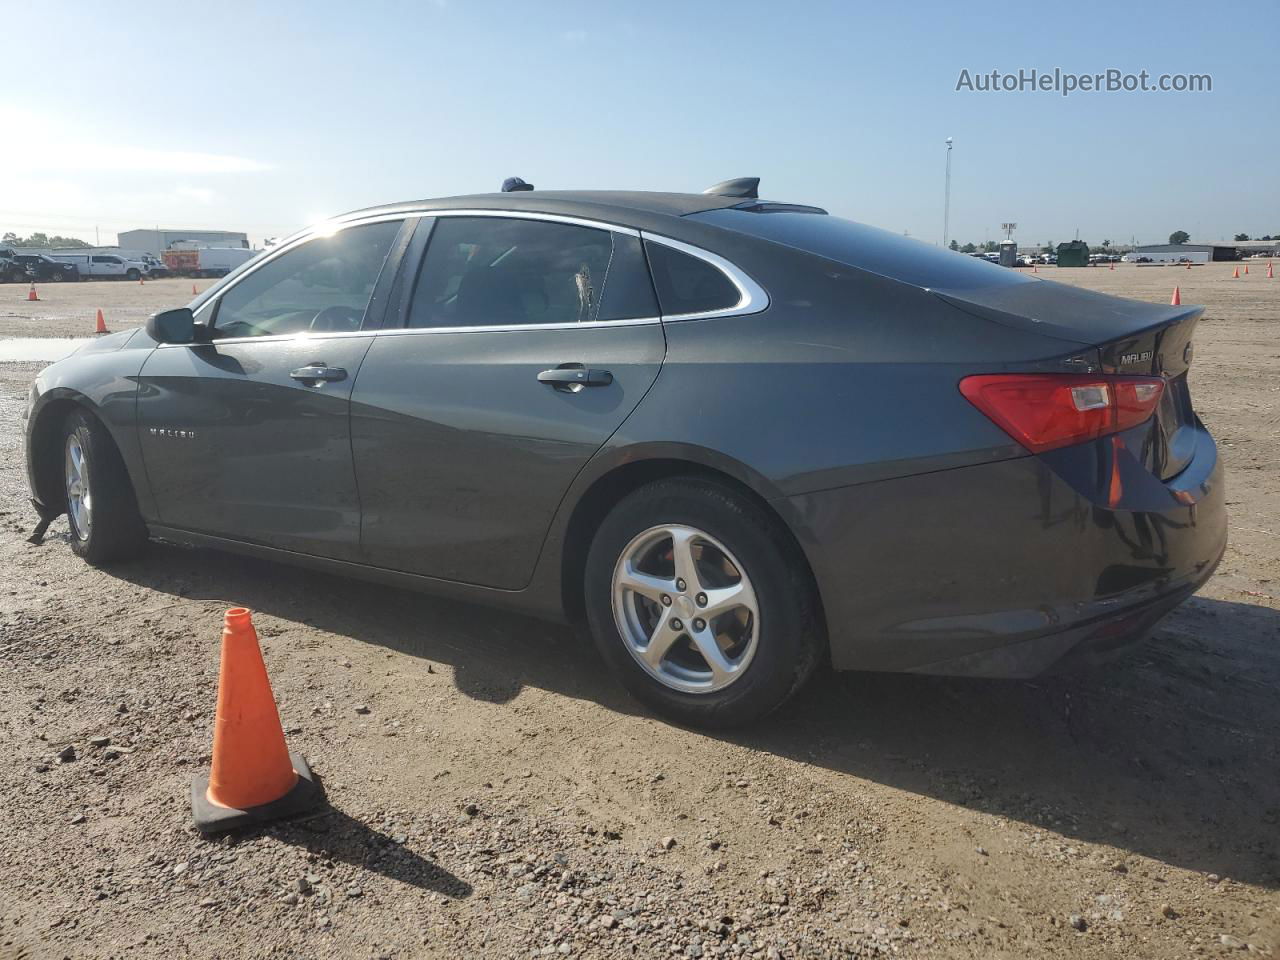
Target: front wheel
[
  {"x": 700, "y": 603},
  {"x": 133, "y": 275},
  {"x": 102, "y": 511}
]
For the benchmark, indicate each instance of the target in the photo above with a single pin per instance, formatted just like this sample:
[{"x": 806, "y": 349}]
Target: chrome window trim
[
  {"x": 532, "y": 215},
  {"x": 752, "y": 297},
  {"x": 414, "y": 331}
]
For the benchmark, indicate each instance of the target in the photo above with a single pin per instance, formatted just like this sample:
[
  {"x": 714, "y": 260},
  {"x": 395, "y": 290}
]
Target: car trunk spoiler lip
[{"x": 1086, "y": 319}]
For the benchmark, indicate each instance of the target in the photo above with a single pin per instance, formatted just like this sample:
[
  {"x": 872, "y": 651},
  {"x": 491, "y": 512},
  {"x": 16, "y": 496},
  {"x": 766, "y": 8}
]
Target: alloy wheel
[
  {"x": 79, "y": 497},
  {"x": 685, "y": 608}
]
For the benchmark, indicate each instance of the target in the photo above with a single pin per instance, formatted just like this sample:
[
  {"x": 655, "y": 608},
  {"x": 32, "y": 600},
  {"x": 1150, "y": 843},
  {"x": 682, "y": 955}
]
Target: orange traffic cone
[
  {"x": 1113, "y": 266},
  {"x": 1034, "y": 268},
  {"x": 1270, "y": 275},
  {"x": 193, "y": 290},
  {"x": 142, "y": 281},
  {"x": 102, "y": 323},
  {"x": 31, "y": 294},
  {"x": 254, "y": 777},
  {"x": 1246, "y": 269},
  {"x": 1177, "y": 298},
  {"x": 1236, "y": 275}
]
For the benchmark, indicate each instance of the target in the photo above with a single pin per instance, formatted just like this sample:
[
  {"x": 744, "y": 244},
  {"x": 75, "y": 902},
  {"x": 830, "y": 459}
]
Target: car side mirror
[{"x": 172, "y": 326}]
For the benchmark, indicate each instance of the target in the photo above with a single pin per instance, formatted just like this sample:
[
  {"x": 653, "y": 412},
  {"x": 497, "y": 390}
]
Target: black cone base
[{"x": 307, "y": 795}]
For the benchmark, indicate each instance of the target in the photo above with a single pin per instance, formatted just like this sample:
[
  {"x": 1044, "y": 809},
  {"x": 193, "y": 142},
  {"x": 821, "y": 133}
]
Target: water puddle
[{"x": 39, "y": 349}]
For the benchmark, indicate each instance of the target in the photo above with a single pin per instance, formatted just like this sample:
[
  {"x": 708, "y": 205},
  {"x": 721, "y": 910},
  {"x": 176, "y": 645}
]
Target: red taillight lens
[{"x": 1044, "y": 411}]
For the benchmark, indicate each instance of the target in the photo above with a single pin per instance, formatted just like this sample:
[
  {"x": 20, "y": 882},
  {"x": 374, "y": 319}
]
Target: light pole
[{"x": 946, "y": 203}]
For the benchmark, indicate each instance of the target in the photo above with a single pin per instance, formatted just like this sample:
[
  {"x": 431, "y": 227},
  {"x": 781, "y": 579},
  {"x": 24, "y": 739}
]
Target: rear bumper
[{"x": 1012, "y": 568}]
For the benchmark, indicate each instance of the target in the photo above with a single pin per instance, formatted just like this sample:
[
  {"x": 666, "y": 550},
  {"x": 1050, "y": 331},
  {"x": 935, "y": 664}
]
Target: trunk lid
[{"x": 1129, "y": 337}]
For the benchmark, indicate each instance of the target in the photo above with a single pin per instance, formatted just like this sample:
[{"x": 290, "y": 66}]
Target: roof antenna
[
  {"x": 515, "y": 185},
  {"x": 746, "y": 187}
]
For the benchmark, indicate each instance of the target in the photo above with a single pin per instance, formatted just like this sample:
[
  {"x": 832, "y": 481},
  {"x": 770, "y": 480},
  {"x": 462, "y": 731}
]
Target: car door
[
  {"x": 523, "y": 345},
  {"x": 247, "y": 436}
]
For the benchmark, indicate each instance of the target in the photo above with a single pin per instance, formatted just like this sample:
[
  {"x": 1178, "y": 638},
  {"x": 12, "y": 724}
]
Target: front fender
[{"x": 103, "y": 378}]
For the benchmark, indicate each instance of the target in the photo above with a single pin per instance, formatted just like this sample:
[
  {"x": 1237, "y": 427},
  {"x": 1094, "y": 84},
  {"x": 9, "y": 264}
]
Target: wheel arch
[
  {"x": 627, "y": 474},
  {"x": 45, "y": 456}
]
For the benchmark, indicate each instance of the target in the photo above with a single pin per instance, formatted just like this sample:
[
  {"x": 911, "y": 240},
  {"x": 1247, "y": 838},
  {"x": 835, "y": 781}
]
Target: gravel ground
[
  {"x": 501, "y": 798},
  {"x": 70, "y": 309}
]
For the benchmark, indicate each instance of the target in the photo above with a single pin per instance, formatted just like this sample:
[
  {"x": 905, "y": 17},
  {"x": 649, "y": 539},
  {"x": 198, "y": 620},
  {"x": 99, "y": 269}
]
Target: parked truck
[
  {"x": 106, "y": 266},
  {"x": 198, "y": 260}
]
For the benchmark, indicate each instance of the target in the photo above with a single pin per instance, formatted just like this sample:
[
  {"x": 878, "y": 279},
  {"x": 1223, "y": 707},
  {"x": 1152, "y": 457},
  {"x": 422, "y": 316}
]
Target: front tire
[
  {"x": 102, "y": 510},
  {"x": 700, "y": 603},
  {"x": 133, "y": 275}
]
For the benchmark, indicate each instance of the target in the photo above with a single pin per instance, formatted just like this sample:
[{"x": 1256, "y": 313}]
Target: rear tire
[
  {"x": 102, "y": 510},
  {"x": 766, "y": 640}
]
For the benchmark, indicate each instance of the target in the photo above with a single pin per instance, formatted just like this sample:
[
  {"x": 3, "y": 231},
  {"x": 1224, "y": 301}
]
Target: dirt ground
[
  {"x": 70, "y": 309},
  {"x": 502, "y": 798}
]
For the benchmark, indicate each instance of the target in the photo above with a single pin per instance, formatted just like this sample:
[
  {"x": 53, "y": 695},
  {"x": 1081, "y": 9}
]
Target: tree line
[{"x": 11, "y": 239}]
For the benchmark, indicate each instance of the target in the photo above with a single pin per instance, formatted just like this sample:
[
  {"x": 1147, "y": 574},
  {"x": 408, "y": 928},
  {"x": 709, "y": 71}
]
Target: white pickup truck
[{"x": 99, "y": 266}]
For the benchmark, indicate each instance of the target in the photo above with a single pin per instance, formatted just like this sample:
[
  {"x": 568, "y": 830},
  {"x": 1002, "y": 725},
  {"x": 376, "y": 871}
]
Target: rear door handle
[
  {"x": 317, "y": 371},
  {"x": 575, "y": 375}
]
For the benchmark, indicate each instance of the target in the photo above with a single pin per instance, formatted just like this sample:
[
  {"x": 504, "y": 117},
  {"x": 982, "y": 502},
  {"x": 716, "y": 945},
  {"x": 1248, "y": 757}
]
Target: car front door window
[{"x": 322, "y": 286}]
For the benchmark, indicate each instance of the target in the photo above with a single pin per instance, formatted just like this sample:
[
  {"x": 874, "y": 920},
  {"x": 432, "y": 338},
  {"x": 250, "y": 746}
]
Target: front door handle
[
  {"x": 317, "y": 371},
  {"x": 572, "y": 375}
]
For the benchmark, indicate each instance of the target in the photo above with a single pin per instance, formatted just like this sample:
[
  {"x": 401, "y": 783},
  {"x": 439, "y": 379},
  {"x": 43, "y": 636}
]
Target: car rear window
[{"x": 867, "y": 248}]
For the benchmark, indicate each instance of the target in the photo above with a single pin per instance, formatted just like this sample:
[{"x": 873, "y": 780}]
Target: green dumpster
[{"x": 1073, "y": 254}]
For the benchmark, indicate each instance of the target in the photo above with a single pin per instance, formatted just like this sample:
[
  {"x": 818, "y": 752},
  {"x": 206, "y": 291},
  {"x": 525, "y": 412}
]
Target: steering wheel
[{"x": 336, "y": 319}]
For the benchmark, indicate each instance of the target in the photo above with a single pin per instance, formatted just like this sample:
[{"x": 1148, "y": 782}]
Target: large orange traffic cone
[
  {"x": 1246, "y": 269},
  {"x": 193, "y": 290},
  {"x": 1188, "y": 264},
  {"x": 1177, "y": 298},
  {"x": 1236, "y": 275},
  {"x": 102, "y": 323},
  {"x": 254, "y": 777},
  {"x": 31, "y": 294}
]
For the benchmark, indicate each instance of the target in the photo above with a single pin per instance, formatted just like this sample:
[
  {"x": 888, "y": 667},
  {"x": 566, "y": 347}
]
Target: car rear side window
[
  {"x": 322, "y": 286},
  {"x": 507, "y": 271},
  {"x": 687, "y": 284}
]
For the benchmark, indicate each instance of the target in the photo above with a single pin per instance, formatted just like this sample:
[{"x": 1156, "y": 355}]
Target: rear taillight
[{"x": 1044, "y": 411}]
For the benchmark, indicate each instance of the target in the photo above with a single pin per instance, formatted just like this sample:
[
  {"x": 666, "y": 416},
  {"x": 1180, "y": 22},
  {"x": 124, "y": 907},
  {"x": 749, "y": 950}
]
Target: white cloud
[
  {"x": 48, "y": 147},
  {"x": 201, "y": 195},
  {"x": 73, "y": 156}
]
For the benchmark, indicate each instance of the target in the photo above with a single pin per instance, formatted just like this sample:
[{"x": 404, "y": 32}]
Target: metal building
[
  {"x": 1177, "y": 252},
  {"x": 157, "y": 242}
]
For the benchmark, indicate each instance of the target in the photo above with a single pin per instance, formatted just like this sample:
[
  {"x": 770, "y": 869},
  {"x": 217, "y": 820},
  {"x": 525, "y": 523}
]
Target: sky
[{"x": 266, "y": 117}]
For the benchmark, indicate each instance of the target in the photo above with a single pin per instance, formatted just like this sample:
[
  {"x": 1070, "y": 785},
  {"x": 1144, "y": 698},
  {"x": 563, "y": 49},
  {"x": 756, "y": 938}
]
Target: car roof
[{"x": 628, "y": 207}]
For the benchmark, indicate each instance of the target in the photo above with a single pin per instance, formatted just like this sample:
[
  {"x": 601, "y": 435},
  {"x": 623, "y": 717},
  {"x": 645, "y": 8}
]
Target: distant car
[
  {"x": 41, "y": 266},
  {"x": 155, "y": 268},
  {"x": 736, "y": 438},
  {"x": 11, "y": 269}
]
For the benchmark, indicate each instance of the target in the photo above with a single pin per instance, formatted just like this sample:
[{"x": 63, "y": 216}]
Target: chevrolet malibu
[{"x": 735, "y": 438}]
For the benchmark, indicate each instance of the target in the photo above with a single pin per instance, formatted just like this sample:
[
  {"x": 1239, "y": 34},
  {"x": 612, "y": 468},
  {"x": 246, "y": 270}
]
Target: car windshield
[{"x": 867, "y": 248}]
